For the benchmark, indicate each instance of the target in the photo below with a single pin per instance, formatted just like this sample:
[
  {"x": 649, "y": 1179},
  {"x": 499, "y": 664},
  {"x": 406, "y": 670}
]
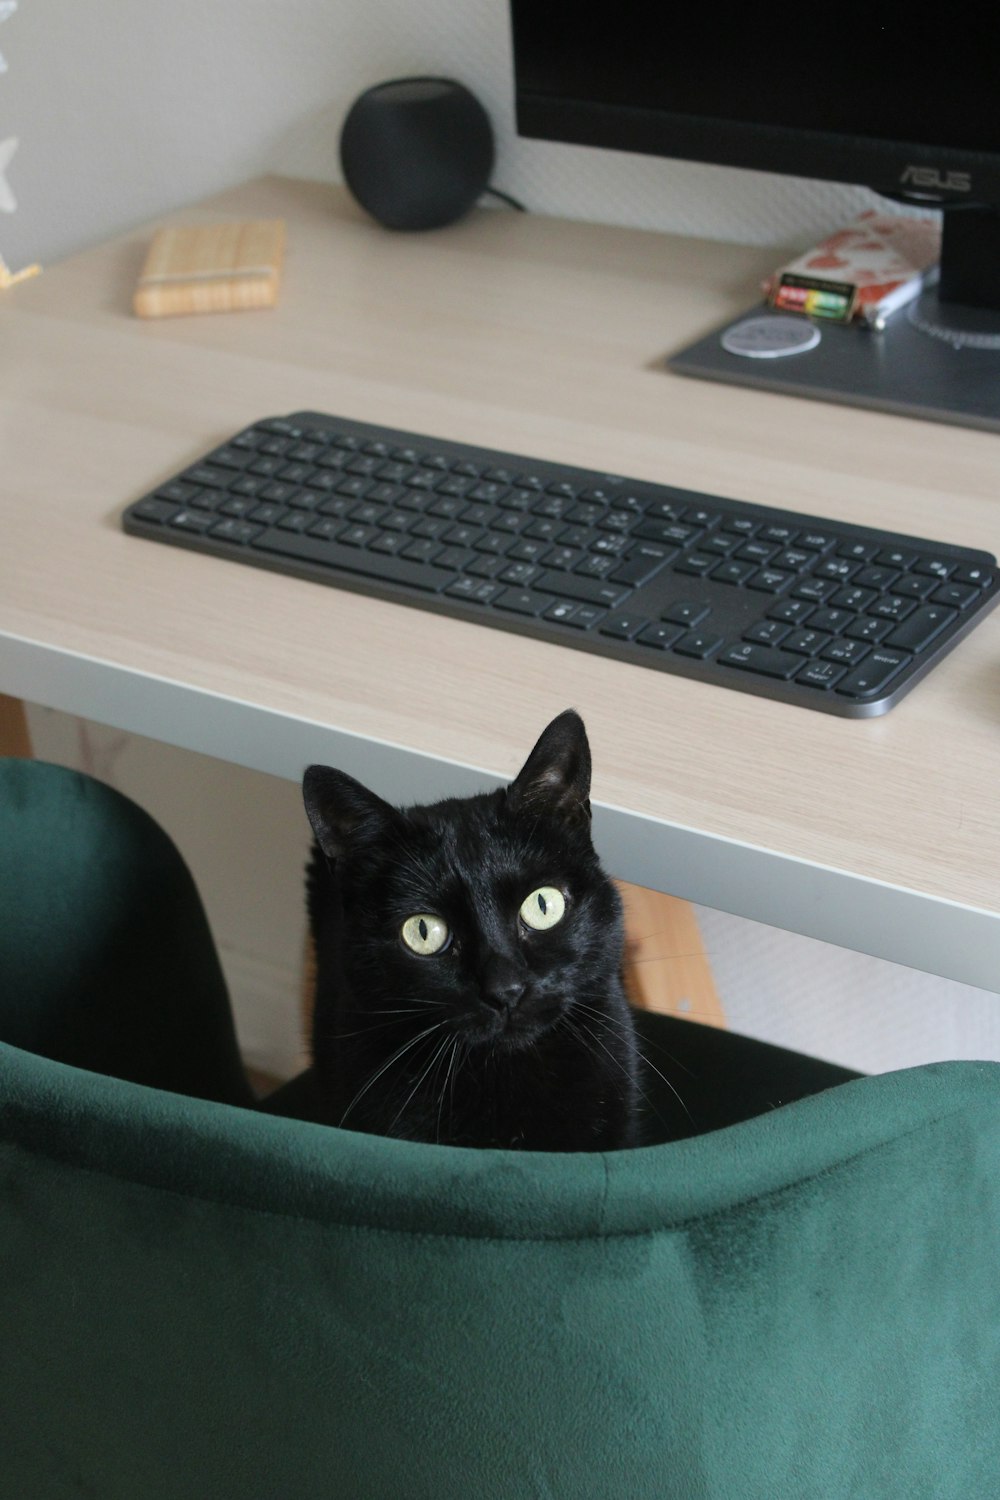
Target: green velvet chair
[{"x": 793, "y": 1295}]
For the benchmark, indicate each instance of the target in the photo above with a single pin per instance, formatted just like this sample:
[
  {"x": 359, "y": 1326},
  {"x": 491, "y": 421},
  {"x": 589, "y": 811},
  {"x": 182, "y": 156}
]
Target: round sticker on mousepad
[{"x": 770, "y": 338}]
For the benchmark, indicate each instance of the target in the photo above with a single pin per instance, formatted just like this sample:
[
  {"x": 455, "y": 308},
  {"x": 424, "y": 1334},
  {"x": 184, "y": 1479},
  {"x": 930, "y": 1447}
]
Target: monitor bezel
[{"x": 907, "y": 171}]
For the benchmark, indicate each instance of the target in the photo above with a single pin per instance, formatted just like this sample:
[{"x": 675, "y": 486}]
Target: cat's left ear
[
  {"x": 555, "y": 779},
  {"x": 341, "y": 810}
]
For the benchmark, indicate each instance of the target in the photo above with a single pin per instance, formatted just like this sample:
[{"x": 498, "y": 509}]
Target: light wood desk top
[{"x": 544, "y": 338}]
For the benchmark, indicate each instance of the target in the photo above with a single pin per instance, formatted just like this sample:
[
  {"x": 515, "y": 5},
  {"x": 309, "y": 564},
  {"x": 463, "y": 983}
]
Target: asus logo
[{"x": 941, "y": 182}]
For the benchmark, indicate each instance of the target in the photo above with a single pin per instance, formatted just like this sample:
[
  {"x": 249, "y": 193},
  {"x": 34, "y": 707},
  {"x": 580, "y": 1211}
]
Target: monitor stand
[
  {"x": 937, "y": 358},
  {"x": 914, "y": 366}
]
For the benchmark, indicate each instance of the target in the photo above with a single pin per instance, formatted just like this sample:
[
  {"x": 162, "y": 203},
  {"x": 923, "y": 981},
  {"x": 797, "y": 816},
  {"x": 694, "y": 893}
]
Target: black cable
[{"x": 496, "y": 193}]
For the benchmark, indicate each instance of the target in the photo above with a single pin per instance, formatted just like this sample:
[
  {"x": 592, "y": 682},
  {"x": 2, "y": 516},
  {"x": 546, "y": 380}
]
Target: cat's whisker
[
  {"x": 628, "y": 1032},
  {"x": 579, "y": 1031},
  {"x": 405, "y": 1011},
  {"x": 400, "y": 1052},
  {"x": 435, "y": 1057},
  {"x": 640, "y": 1054},
  {"x": 449, "y": 1076},
  {"x": 660, "y": 958}
]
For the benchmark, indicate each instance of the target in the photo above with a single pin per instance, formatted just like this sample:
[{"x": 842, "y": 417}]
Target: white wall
[{"x": 127, "y": 108}]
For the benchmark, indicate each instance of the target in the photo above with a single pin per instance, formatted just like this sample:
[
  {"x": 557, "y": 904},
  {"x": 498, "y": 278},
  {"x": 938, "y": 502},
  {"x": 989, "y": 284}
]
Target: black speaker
[{"x": 417, "y": 152}]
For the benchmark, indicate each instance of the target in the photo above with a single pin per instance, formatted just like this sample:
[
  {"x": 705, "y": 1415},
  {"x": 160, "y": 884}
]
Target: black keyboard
[{"x": 830, "y": 616}]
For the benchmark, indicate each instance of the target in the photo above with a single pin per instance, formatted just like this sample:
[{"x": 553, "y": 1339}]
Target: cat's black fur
[{"x": 509, "y": 1036}]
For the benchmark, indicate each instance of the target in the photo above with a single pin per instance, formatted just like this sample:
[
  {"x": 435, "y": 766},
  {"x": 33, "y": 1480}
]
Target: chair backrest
[
  {"x": 106, "y": 959},
  {"x": 200, "y": 1299}
]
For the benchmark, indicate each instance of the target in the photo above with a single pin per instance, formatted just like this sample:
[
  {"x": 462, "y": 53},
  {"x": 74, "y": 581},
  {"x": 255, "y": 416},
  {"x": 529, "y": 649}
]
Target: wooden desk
[{"x": 541, "y": 337}]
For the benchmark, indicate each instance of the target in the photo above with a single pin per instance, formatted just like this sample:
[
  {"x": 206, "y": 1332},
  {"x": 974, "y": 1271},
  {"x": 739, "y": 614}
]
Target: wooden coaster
[{"x": 211, "y": 268}]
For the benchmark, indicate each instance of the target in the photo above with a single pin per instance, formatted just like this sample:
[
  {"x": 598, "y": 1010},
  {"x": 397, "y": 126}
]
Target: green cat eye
[
  {"x": 425, "y": 934},
  {"x": 543, "y": 908}
]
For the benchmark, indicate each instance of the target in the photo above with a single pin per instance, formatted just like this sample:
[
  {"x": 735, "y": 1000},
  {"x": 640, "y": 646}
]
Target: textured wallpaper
[{"x": 122, "y": 111}]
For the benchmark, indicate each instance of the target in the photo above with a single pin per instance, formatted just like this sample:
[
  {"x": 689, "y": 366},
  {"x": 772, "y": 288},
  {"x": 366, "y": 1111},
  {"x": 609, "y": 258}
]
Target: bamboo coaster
[{"x": 211, "y": 268}]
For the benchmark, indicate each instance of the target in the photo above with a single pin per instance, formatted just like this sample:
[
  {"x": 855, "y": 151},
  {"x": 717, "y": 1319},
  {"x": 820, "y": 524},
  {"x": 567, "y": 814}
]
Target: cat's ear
[
  {"x": 555, "y": 779},
  {"x": 341, "y": 810}
]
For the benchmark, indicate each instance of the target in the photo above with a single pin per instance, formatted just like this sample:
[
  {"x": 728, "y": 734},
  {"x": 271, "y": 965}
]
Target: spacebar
[{"x": 353, "y": 560}]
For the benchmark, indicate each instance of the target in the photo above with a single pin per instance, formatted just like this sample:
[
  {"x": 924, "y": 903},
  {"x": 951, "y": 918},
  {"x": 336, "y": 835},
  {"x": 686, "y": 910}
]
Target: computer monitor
[{"x": 885, "y": 96}]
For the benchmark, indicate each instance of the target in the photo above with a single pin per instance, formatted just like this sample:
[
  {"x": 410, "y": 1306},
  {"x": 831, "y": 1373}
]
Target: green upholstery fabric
[
  {"x": 203, "y": 1299},
  {"x": 106, "y": 959}
]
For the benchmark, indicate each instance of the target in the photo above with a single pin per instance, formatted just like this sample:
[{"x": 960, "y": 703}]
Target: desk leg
[
  {"x": 14, "y": 736},
  {"x": 666, "y": 966}
]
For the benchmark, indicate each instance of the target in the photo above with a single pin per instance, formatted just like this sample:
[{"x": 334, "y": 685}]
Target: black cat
[{"x": 468, "y": 962}]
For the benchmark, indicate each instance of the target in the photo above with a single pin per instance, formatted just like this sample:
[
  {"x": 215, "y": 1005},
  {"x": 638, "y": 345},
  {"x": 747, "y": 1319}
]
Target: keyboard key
[
  {"x": 389, "y": 541},
  {"x": 833, "y": 621},
  {"x": 936, "y": 567},
  {"x": 586, "y": 617},
  {"x": 957, "y": 595},
  {"x": 179, "y": 491},
  {"x": 622, "y": 625},
  {"x": 695, "y": 563},
  {"x": 698, "y": 515},
  {"x": 523, "y": 601},
  {"x": 326, "y": 530},
  {"x": 783, "y": 535},
  {"x": 875, "y": 672},
  {"x": 353, "y": 560},
  {"x": 875, "y": 578},
  {"x": 154, "y": 510},
  {"x": 815, "y": 590},
  {"x": 420, "y": 549},
  {"x": 586, "y": 590},
  {"x": 769, "y": 580},
  {"x": 192, "y": 520},
  {"x": 806, "y": 642},
  {"x": 857, "y": 551},
  {"x": 853, "y": 599},
  {"x": 235, "y": 531},
  {"x": 917, "y": 632},
  {"x": 791, "y": 611},
  {"x": 768, "y": 661},
  {"x": 732, "y": 572},
  {"x": 454, "y": 558},
  {"x": 758, "y": 552},
  {"x": 915, "y": 585},
  {"x": 660, "y": 636},
  {"x": 641, "y": 565},
  {"x": 670, "y": 532},
  {"x": 839, "y": 568},
  {"x": 698, "y": 643},
  {"x": 596, "y": 566},
  {"x": 891, "y": 607},
  {"x": 820, "y": 674},
  {"x": 686, "y": 612},
  {"x": 981, "y": 577},
  {"x": 767, "y": 632},
  {"x": 520, "y": 574},
  {"x": 814, "y": 541},
  {"x": 474, "y": 590},
  {"x": 896, "y": 557},
  {"x": 872, "y": 631},
  {"x": 847, "y": 652}
]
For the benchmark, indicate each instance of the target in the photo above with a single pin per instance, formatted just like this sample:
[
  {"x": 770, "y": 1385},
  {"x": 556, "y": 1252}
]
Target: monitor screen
[{"x": 880, "y": 94}]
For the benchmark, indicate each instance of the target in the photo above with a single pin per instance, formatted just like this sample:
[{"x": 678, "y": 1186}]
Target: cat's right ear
[{"x": 341, "y": 810}]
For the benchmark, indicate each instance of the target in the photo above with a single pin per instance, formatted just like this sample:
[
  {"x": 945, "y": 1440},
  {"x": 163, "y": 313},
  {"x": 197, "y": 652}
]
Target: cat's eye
[
  {"x": 543, "y": 908},
  {"x": 425, "y": 934}
]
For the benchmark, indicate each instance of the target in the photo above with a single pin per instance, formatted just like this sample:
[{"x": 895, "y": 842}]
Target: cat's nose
[{"x": 502, "y": 984}]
